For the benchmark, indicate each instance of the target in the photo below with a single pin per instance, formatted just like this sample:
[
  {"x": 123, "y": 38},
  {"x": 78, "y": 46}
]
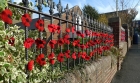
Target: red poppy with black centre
[
  {"x": 60, "y": 41},
  {"x": 11, "y": 41},
  {"x": 41, "y": 60},
  {"x": 40, "y": 25},
  {"x": 74, "y": 56},
  {"x": 51, "y": 56},
  {"x": 67, "y": 54},
  {"x": 6, "y": 16},
  {"x": 30, "y": 65},
  {"x": 60, "y": 57},
  {"x": 26, "y": 19},
  {"x": 28, "y": 43},
  {"x": 52, "y": 43},
  {"x": 40, "y": 43}
]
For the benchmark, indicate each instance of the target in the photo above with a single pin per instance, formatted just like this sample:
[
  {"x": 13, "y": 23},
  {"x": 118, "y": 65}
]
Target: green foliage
[
  {"x": 90, "y": 11},
  {"x": 3, "y": 4},
  {"x": 12, "y": 59}
]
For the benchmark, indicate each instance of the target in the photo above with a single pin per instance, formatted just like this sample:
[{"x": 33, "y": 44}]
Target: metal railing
[{"x": 94, "y": 35}]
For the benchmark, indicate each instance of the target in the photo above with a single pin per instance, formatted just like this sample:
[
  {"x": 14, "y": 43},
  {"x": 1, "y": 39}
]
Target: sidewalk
[{"x": 130, "y": 70}]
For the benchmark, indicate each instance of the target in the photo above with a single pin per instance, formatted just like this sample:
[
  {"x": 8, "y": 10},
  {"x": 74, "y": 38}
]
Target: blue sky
[{"x": 102, "y": 6}]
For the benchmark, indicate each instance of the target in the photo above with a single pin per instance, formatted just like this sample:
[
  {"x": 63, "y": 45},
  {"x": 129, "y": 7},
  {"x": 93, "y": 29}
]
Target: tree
[
  {"x": 102, "y": 18},
  {"x": 90, "y": 11},
  {"x": 127, "y": 5}
]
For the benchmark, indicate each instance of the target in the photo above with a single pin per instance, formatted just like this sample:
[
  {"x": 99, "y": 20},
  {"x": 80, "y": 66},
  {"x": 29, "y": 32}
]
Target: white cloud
[
  {"x": 34, "y": 16},
  {"x": 17, "y": 1},
  {"x": 104, "y": 9}
]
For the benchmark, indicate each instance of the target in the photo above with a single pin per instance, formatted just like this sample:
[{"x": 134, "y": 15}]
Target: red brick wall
[{"x": 115, "y": 23}]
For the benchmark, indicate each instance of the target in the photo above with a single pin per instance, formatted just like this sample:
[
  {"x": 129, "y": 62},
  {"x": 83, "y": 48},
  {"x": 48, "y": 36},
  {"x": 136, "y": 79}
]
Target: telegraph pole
[{"x": 116, "y": 7}]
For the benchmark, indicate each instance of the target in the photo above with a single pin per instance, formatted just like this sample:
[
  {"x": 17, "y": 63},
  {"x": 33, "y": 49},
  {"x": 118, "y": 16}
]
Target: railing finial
[
  {"x": 59, "y": 8},
  {"x": 67, "y": 11},
  {"x": 25, "y": 2},
  {"x": 39, "y": 6},
  {"x": 51, "y": 4}
]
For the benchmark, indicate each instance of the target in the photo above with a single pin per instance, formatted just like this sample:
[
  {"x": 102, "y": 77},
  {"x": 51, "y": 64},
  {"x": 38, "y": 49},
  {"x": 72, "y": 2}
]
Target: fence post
[
  {"x": 115, "y": 23},
  {"x": 125, "y": 26}
]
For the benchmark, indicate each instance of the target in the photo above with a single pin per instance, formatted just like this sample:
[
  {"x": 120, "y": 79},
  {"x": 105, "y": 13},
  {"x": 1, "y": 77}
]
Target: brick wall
[
  {"x": 101, "y": 71},
  {"x": 115, "y": 23}
]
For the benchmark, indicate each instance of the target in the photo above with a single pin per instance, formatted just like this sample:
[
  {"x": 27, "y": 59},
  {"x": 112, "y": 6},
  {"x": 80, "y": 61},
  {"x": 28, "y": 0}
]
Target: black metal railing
[{"x": 94, "y": 36}]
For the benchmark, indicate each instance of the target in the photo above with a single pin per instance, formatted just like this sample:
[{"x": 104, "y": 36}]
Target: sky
[{"x": 102, "y": 6}]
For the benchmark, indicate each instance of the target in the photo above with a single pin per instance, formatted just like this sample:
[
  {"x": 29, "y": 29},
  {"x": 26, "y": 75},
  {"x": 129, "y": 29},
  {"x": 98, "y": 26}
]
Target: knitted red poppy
[
  {"x": 66, "y": 39},
  {"x": 73, "y": 29},
  {"x": 82, "y": 35},
  {"x": 79, "y": 54},
  {"x": 87, "y": 57},
  {"x": 67, "y": 30},
  {"x": 52, "y": 43},
  {"x": 41, "y": 60},
  {"x": 67, "y": 54},
  {"x": 58, "y": 29},
  {"x": 51, "y": 56},
  {"x": 26, "y": 19},
  {"x": 53, "y": 28},
  {"x": 40, "y": 25},
  {"x": 87, "y": 45},
  {"x": 30, "y": 65},
  {"x": 91, "y": 54},
  {"x": 87, "y": 32},
  {"x": 28, "y": 42},
  {"x": 74, "y": 56},
  {"x": 60, "y": 57},
  {"x": 6, "y": 16},
  {"x": 60, "y": 41},
  {"x": 40, "y": 43},
  {"x": 78, "y": 33},
  {"x": 82, "y": 46},
  {"x": 52, "y": 61},
  {"x": 83, "y": 55},
  {"x": 76, "y": 42},
  {"x": 11, "y": 41}
]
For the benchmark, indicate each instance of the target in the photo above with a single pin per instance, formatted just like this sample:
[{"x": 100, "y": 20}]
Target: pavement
[{"x": 130, "y": 70}]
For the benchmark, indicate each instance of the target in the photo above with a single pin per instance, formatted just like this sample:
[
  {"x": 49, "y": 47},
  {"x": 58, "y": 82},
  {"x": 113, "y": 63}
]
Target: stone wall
[
  {"x": 101, "y": 71},
  {"x": 129, "y": 42},
  {"x": 123, "y": 47}
]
